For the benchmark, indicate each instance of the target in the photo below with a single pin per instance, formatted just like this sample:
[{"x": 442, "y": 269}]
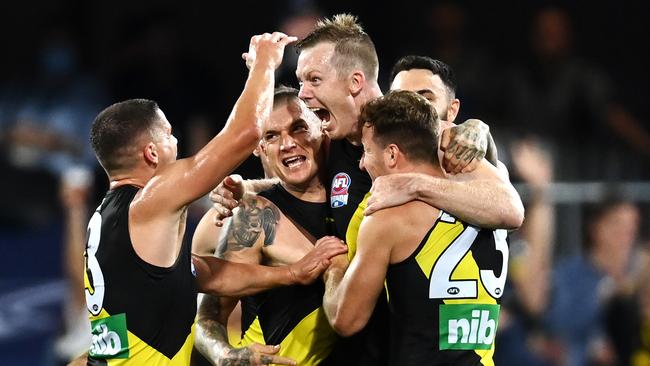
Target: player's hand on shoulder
[
  {"x": 267, "y": 48},
  {"x": 391, "y": 190},
  {"x": 255, "y": 354},
  {"x": 312, "y": 265},
  {"x": 464, "y": 146}
]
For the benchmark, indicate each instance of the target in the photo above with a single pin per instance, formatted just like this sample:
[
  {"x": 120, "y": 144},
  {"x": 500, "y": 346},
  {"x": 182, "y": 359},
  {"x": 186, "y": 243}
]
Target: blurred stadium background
[{"x": 563, "y": 86}]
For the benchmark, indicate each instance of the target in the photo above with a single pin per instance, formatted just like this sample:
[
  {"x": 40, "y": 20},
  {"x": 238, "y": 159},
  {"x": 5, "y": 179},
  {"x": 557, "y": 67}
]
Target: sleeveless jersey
[
  {"x": 140, "y": 314},
  {"x": 292, "y": 316},
  {"x": 350, "y": 187},
  {"x": 444, "y": 298},
  {"x": 349, "y": 184}
]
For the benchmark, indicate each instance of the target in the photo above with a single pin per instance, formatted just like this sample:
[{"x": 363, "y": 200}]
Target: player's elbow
[
  {"x": 242, "y": 131},
  {"x": 249, "y": 135},
  {"x": 514, "y": 215},
  {"x": 347, "y": 326},
  {"x": 508, "y": 213}
]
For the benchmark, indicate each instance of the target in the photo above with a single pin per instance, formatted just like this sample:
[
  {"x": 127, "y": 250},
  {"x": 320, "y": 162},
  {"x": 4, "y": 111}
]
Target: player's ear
[
  {"x": 357, "y": 82},
  {"x": 151, "y": 154},
  {"x": 390, "y": 155},
  {"x": 453, "y": 109}
]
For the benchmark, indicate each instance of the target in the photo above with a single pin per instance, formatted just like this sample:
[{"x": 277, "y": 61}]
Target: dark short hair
[
  {"x": 352, "y": 45},
  {"x": 282, "y": 94},
  {"x": 117, "y": 127},
  {"x": 437, "y": 67},
  {"x": 406, "y": 119}
]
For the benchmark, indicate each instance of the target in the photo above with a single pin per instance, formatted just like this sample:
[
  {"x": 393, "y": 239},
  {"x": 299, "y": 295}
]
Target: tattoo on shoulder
[
  {"x": 253, "y": 217},
  {"x": 270, "y": 218}
]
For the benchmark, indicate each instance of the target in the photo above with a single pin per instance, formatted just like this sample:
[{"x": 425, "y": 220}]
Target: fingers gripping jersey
[
  {"x": 140, "y": 314},
  {"x": 444, "y": 298}
]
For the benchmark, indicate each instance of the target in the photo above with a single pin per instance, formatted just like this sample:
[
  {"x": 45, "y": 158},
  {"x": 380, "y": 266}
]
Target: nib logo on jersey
[
  {"x": 340, "y": 186},
  {"x": 468, "y": 326},
  {"x": 110, "y": 338}
]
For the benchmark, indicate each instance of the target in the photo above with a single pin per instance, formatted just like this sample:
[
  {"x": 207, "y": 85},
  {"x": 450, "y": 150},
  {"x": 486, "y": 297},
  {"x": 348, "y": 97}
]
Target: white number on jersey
[
  {"x": 441, "y": 286},
  {"x": 493, "y": 284},
  {"x": 95, "y": 294}
]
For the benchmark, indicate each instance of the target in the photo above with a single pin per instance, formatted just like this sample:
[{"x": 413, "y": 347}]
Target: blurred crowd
[{"x": 579, "y": 272}]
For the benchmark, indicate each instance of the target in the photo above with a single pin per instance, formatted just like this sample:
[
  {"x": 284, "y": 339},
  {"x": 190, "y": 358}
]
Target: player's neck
[
  {"x": 354, "y": 137},
  {"x": 134, "y": 178},
  {"x": 423, "y": 168},
  {"x": 371, "y": 92},
  {"x": 314, "y": 191},
  {"x": 118, "y": 182},
  {"x": 374, "y": 92}
]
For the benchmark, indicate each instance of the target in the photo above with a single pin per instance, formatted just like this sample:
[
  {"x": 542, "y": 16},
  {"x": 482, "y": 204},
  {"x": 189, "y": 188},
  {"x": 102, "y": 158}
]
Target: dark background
[{"x": 187, "y": 56}]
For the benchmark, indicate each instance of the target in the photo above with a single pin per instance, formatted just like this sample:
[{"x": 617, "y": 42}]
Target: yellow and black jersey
[
  {"x": 140, "y": 314},
  {"x": 349, "y": 191},
  {"x": 292, "y": 316},
  {"x": 444, "y": 298},
  {"x": 353, "y": 227}
]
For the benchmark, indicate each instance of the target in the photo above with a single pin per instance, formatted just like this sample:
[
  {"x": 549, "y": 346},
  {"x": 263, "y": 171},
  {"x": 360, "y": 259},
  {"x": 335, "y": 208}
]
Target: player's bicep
[
  {"x": 484, "y": 171},
  {"x": 185, "y": 180},
  {"x": 364, "y": 279},
  {"x": 243, "y": 235},
  {"x": 206, "y": 235}
]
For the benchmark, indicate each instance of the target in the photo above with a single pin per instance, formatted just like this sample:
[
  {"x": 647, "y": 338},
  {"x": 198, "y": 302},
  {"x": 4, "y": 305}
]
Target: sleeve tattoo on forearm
[{"x": 215, "y": 331}]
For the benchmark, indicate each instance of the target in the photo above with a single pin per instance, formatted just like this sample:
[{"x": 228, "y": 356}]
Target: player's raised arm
[{"x": 188, "y": 179}]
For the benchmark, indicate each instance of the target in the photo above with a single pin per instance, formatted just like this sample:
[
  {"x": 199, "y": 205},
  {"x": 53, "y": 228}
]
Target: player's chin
[
  {"x": 333, "y": 132},
  {"x": 296, "y": 179}
]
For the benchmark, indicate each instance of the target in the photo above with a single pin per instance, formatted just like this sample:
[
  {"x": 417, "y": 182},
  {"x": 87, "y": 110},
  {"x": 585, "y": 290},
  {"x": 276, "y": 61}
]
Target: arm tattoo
[
  {"x": 270, "y": 218},
  {"x": 253, "y": 216},
  {"x": 238, "y": 357},
  {"x": 209, "y": 312},
  {"x": 266, "y": 360},
  {"x": 211, "y": 335},
  {"x": 491, "y": 154}
]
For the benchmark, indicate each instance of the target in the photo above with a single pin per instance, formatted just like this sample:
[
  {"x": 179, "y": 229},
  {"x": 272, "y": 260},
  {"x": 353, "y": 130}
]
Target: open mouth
[
  {"x": 293, "y": 161},
  {"x": 322, "y": 113}
]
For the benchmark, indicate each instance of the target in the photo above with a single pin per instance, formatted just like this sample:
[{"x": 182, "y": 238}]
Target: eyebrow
[
  {"x": 291, "y": 125},
  {"x": 422, "y": 91},
  {"x": 298, "y": 121}
]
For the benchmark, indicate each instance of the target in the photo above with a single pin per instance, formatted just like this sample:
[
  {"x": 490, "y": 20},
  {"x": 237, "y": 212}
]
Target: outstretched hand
[{"x": 312, "y": 265}]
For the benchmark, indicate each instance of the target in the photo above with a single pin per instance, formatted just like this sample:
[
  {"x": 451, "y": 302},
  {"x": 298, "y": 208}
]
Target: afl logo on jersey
[
  {"x": 193, "y": 269},
  {"x": 339, "y": 194}
]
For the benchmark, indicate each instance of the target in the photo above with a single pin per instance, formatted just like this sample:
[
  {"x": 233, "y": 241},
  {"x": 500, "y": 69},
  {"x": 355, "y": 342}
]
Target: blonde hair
[{"x": 353, "y": 48}]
